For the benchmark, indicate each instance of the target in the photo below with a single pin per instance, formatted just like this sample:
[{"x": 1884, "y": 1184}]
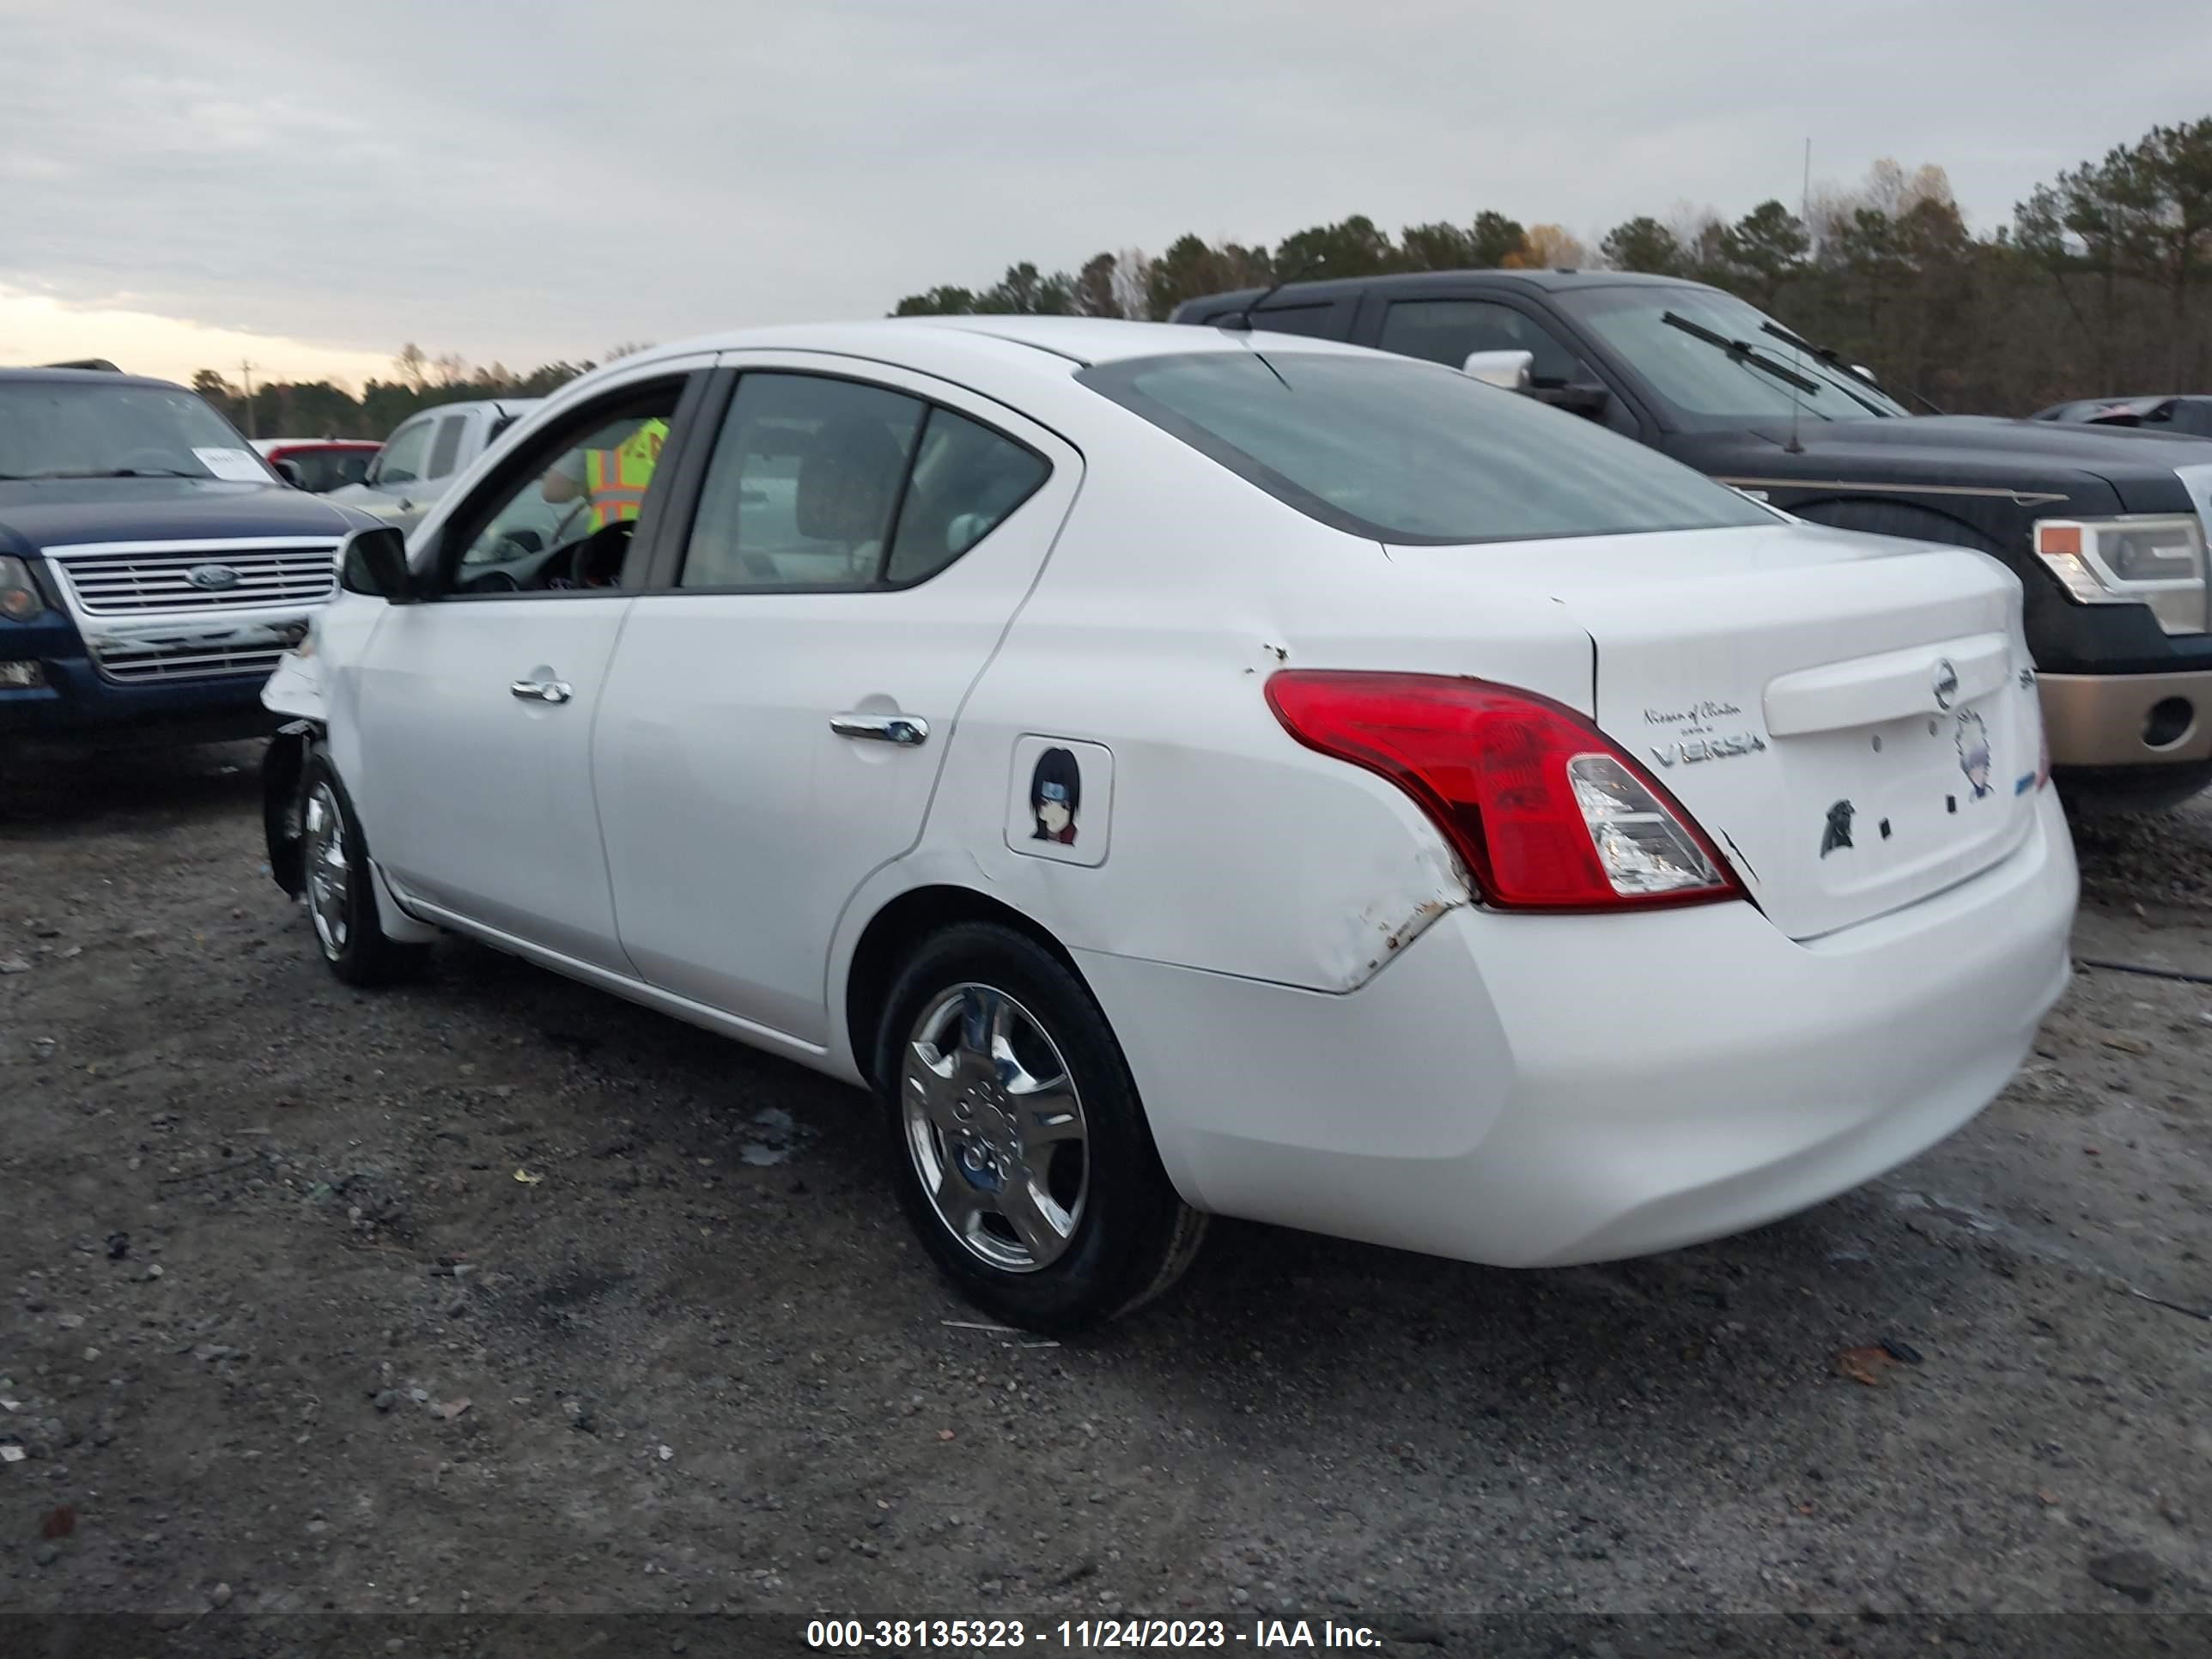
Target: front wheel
[
  {"x": 1022, "y": 1153},
  {"x": 341, "y": 892}
]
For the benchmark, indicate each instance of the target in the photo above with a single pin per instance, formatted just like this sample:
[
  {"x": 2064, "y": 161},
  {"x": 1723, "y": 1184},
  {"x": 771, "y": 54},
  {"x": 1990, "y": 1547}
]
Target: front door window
[{"x": 560, "y": 514}]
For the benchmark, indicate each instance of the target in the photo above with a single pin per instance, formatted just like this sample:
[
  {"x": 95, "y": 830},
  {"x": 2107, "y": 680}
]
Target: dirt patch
[{"x": 264, "y": 1233}]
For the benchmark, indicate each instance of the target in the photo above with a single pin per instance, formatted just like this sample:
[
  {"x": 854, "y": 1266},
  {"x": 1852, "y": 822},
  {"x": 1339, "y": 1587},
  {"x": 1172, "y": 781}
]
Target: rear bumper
[
  {"x": 2128, "y": 719},
  {"x": 1532, "y": 1090}
]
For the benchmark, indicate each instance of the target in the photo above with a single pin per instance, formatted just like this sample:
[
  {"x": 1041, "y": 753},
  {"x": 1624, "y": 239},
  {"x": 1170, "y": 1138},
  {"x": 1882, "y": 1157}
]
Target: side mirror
[
  {"x": 289, "y": 471},
  {"x": 1508, "y": 369},
  {"x": 374, "y": 562}
]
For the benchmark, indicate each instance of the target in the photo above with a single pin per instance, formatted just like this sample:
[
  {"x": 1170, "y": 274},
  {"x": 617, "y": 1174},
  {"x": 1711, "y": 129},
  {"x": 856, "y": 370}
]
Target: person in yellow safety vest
[{"x": 613, "y": 479}]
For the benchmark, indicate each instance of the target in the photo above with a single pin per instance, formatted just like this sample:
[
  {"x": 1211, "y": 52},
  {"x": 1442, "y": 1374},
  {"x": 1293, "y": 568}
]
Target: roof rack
[{"x": 101, "y": 363}]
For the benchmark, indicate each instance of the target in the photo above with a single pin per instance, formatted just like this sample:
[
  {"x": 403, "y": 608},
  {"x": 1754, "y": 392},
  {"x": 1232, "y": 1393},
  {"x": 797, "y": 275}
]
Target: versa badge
[{"x": 1693, "y": 750}]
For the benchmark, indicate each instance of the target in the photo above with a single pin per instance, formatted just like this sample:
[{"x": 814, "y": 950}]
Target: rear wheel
[
  {"x": 1022, "y": 1153},
  {"x": 341, "y": 892}
]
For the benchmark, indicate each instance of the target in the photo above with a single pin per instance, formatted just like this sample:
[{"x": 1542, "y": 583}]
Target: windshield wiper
[
  {"x": 1741, "y": 351},
  {"x": 1833, "y": 358}
]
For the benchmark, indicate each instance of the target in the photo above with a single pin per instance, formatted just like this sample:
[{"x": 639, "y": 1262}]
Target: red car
[{"x": 324, "y": 463}]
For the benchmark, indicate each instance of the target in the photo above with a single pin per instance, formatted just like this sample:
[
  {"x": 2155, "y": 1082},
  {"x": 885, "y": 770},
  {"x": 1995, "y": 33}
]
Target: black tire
[
  {"x": 1131, "y": 1235},
  {"x": 343, "y": 915}
]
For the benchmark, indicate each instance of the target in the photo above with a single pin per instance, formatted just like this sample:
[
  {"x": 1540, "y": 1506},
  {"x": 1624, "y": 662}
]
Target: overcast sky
[{"x": 315, "y": 183}]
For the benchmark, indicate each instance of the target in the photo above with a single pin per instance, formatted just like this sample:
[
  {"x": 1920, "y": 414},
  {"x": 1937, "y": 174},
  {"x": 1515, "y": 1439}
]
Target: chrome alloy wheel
[
  {"x": 995, "y": 1127},
  {"x": 329, "y": 876}
]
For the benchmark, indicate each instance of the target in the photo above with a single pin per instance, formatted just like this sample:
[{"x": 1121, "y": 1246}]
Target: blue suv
[{"x": 152, "y": 567}]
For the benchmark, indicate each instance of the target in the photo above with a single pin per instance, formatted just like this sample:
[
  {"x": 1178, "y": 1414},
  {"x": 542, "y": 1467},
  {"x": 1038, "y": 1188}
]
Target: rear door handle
[
  {"x": 542, "y": 690},
  {"x": 906, "y": 730}
]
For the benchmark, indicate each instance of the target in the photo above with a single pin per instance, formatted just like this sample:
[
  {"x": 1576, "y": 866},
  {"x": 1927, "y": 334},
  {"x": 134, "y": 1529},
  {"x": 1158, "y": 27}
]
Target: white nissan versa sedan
[{"x": 1189, "y": 772}]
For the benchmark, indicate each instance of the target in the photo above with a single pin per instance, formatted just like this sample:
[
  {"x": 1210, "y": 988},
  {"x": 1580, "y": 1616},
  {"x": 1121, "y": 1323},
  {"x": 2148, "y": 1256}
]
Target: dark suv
[
  {"x": 2106, "y": 529},
  {"x": 152, "y": 567}
]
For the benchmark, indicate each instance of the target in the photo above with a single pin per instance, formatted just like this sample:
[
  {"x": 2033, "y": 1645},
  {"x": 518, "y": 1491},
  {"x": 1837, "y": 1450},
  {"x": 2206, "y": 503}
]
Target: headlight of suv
[
  {"x": 2154, "y": 561},
  {"x": 19, "y": 594}
]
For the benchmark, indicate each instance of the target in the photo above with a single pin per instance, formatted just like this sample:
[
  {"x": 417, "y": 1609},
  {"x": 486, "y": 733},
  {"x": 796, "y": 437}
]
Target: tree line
[
  {"x": 2100, "y": 284},
  {"x": 324, "y": 409}
]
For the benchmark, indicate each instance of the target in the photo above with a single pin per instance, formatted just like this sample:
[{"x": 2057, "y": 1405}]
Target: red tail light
[{"x": 1546, "y": 811}]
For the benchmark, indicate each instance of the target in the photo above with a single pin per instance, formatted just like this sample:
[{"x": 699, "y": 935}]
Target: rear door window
[
  {"x": 824, "y": 484},
  {"x": 1400, "y": 451},
  {"x": 966, "y": 479},
  {"x": 804, "y": 487}
]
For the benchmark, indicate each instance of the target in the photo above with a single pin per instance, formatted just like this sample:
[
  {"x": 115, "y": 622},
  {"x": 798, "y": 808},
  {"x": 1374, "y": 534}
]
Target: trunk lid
[{"x": 1852, "y": 720}]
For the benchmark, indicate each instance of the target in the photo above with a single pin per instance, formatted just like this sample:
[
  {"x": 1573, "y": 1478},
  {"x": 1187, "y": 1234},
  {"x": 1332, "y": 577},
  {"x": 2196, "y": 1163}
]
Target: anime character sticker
[
  {"x": 1973, "y": 738},
  {"x": 1060, "y": 799},
  {"x": 1056, "y": 796}
]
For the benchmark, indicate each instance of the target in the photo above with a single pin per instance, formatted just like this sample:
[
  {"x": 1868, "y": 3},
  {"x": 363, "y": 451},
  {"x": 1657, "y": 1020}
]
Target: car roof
[
  {"x": 1037, "y": 341},
  {"x": 81, "y": 377},
  {"x": 503, "y": 405},
  {"x": 265, "y": 445}
]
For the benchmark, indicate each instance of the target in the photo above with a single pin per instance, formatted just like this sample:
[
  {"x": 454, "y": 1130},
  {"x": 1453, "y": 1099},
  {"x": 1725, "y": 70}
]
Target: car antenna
[
  {"x": 1797, "y": 355},
  {"x": 1242, "y": 317}
]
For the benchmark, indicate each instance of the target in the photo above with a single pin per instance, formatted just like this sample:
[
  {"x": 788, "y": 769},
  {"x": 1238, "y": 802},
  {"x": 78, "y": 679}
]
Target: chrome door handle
[
  {"x": 904, "y": 729},
  {"x": 542, "y": 690}
]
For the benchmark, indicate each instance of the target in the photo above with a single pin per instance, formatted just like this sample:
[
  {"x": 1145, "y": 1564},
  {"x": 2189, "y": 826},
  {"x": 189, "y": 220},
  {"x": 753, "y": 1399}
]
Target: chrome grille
[
  {"x": 135, "y": 663},
  {"x": 124, "y": 580}
]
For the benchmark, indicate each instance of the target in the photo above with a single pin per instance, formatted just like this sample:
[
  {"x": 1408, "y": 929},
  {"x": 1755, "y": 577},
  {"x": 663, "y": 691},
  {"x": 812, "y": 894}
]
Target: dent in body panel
[{"x": 1385, "y": 925}]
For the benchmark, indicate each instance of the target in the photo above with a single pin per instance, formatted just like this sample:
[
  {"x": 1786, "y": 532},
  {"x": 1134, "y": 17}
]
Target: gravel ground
[{"x": 497, "y": 1295}]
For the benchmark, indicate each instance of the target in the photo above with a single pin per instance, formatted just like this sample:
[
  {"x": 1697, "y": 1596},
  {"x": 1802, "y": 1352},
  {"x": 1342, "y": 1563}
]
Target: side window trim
[
  {"x": 675, "y": 512},
  {"x": 664, "y": 572},
  {"x": 678, "y": 459}
]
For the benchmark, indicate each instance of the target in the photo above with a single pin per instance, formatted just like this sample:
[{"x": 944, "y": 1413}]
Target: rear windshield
[
  {"x": 322, "y": 469},
  {"x": 1409, "y": 451}
]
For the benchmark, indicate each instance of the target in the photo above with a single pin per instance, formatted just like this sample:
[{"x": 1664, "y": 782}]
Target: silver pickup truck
[{"x": 426, "y": 453}]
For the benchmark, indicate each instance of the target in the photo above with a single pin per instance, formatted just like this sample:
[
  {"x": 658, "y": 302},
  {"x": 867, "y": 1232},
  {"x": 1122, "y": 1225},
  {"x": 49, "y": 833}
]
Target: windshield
[
  {"x": 1408, "y": 452},
  {"x": 95, "y": 429},
  {"x": 1719, "y": 362}
]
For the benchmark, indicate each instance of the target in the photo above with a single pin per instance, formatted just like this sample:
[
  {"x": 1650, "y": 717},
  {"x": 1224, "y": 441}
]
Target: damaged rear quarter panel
[
  {"x": 1233, "y": 847},
  {"x": 1386, "y": 925}
]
